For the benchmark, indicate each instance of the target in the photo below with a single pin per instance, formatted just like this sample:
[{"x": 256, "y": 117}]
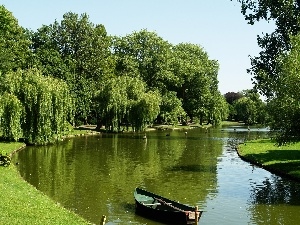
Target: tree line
[{"x": 73, "y": 72}]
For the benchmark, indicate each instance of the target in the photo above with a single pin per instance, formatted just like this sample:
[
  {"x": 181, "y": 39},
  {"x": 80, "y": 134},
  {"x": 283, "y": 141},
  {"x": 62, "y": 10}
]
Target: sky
[{"x": 216, "y": 25}]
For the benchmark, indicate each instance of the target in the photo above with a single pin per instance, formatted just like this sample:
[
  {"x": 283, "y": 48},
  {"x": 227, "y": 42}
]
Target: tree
[
  {"x": 14, "y": 43},
  {"x": 284, "y": 106},
  {"x": 11, "y": 117},
  {"x": 197, "y": 83},
  {"x": 124, "y": 100},
  {"x": 171, "y": 110},
  {"x": 78, "y": 52},
  {"x": 250, "y": 108},
  {"x": 232, "y": 96},
  {"x": 262, "y": 116},
  {"x": 286, "y": 15},
  {"x": 145, "y": 111},
  {"x": 40, "y": 106},
  {"x": 218, "y": 109},
  {"x": 273, "y": 69},
  {"x": 149, "y": 56},
  {"x": 246, "y": 110}
]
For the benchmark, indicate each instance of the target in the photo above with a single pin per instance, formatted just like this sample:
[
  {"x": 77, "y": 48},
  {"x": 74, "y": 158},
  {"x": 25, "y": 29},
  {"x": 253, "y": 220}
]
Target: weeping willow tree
[
  {"x": 44, "y": 105},
  {"x": 11, "y": 111},
  {"x": 145, "y": 110},
  {"x": 124, "y": 100}
]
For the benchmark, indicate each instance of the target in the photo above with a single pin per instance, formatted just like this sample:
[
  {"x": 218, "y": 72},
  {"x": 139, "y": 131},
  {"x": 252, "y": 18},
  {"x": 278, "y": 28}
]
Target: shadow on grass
[{"x": 281, "y": 162}]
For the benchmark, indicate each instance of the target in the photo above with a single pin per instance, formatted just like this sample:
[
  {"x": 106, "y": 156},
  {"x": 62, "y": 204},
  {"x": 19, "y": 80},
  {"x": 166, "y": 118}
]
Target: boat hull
[{"x": 161, "y": 209}]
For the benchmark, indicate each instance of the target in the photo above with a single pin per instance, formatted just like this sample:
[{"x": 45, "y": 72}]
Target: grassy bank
[
  {"x": 21, "y": 203},
  {"x": 283, "y": 160}
]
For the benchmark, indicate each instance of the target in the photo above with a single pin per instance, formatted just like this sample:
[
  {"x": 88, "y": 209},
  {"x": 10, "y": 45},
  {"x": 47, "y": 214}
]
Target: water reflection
[
  {"x": 278, "y": 198},
  {"x": 96, "y": 175}
]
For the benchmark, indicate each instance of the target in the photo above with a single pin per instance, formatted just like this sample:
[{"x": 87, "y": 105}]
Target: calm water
[{"x": 96, "y": 175}]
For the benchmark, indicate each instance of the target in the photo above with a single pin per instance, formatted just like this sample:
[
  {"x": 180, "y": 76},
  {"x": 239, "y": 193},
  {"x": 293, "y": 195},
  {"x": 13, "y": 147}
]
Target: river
[{"x": 96, "y": 175}]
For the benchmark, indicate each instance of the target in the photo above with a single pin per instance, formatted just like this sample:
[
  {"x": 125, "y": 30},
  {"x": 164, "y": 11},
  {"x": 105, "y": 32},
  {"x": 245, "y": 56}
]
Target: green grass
[
  {"x": 283, "y": 160},
  {"x": 21, "y": 203}
]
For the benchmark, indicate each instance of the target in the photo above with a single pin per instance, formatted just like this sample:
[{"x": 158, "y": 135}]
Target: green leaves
[
  {"x": 33, "y": 106},
  {"x": 197, "y": 84},
  {"x": 14, "y": 44},
  {"x": 171, "y": 109},
  {"x": 76, "y": 51},
  {"x": 11, "y": 117},
  {"x": 284, "y": 106},
  {"x": 285, "y": 15},
  {"x": 124, "y": 100},
  {"x": 149, "y": 56}
]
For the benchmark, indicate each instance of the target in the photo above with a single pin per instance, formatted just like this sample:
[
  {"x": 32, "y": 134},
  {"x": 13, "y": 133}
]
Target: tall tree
[
  {"x": 14, "y": 43},
  {"x": 149, "y": 54},
  {"x": 286, "y": 15},
  {"x": 197, "y": 82},
  {"x": 246, "y": 110},
  {"x": 11, "y": 117},
  {"x": 171, "y": 110},
  {"x": 77, "y": 51},
  {"x": 284, "y": 106},
  {"x": 274, "y": 68}
]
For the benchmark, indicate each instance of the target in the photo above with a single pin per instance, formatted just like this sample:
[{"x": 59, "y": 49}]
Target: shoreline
[
  {"x": 22, "y": 203},
  {"x": 257, "y": 158}
]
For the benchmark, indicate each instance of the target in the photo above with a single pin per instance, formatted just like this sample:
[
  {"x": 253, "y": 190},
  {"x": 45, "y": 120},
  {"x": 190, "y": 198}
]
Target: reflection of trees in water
[
  {"x": 276, "y": 191},
  {"x": 51, "y": 169},
  {"x": 275, "y": 201}
]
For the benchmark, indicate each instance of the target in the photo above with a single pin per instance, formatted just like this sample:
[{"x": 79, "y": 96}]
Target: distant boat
[{"x": 161, "y": 209}]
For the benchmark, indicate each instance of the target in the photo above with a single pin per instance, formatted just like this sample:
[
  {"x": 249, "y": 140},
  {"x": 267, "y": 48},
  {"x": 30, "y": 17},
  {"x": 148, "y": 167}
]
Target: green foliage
[
  {"x": 171, "y": 109},
  {"x": 125, "y": 100},
  {"x": 276, "y": 69},
  {"x": 149, "y": 57},
  {"x": 145, "y": 110},
  {"x": 14, "y": 44},
  {"x": 4, "y": 160},
  {"x": 11, "y": 117},
  {"x": 197, "y": 84},
  {"x": 122, "y": 80},
  {"x": 218, "y": 109},
  {"x": 284, "y": 107},
  {"x": 76, "y": 51},
  {"x": 285, "y": 15},
  {"x": 246, "y": 110},
  {"x": 40, "y": 106},
  {"x": 248, "y": 107}
]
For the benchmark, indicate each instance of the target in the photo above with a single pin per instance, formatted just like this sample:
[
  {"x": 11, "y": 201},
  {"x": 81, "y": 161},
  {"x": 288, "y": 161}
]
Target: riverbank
[
  {"x": 21, "y": 203},
  {"x": 281, "y": 160}
]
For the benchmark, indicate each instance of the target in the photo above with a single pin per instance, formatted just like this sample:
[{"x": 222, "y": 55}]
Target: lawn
[{"x": 283, "y": 160}]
